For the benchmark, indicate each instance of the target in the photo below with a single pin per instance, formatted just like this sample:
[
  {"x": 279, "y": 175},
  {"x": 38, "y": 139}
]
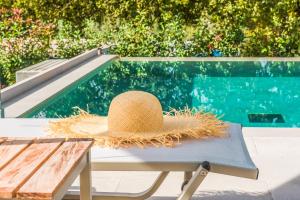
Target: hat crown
[{"x": 135, "y": 111}]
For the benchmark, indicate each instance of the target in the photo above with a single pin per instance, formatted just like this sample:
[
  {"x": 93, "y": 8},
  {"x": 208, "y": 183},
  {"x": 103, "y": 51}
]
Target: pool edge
[
  {"x": 211, "y": 59},
  {"x": 38, "y": 93}
]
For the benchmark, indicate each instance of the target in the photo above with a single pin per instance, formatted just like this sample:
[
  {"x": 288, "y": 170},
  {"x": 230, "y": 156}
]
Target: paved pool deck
[{"x": 275, "y": 151}]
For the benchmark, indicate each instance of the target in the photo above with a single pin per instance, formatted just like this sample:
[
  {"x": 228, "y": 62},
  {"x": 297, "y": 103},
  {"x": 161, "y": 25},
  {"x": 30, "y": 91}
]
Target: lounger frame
[
  {"x": 240, "y": 165},
  {"x": 191, "y": 183}
]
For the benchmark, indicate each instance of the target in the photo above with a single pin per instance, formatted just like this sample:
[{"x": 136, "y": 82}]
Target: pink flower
[
  {"x": 210, "y": 46},
  {"x": 16, "y": 11}
]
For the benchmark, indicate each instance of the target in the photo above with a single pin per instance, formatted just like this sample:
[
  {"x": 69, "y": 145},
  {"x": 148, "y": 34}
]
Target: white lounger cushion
[{"x": 227, "y": 155}]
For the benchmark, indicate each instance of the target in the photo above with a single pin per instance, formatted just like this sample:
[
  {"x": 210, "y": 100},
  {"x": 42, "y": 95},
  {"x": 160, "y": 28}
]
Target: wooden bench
[{"x": 43, "y": 168}]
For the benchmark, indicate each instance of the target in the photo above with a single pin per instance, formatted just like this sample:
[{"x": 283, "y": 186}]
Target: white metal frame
[
  {"x": 190, "y": 184},
  {"x": 86, "y": 180},
  {"x": 194, "y": 172},
  {"x": 84, "y": 169}
]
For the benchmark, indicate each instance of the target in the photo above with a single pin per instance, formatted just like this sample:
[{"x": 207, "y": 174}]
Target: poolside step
[{"x": 37, "y": 68}]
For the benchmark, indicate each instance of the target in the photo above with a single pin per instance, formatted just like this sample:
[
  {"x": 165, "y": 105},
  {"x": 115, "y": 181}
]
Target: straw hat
[{"x": 136, "y": 118}]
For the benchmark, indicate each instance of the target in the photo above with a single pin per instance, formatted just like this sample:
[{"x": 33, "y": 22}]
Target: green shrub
[
  {"x": 69, "y": 41},
  {"x": 198, "y": 28},
  {"x": 23, "y": 42},
  {"x": 176, "y": 27},
  {"x": 146, "y": 28}
]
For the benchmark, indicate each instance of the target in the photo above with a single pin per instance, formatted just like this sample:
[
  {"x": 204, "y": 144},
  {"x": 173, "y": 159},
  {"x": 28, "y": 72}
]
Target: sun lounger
[{"x": 195, "y": 158}]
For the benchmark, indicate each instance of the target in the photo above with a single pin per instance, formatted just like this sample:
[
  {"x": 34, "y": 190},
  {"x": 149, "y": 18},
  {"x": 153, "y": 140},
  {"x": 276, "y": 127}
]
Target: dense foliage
[
  {"x": 157, "y": 28},
  {"x": 23, "y": 42}
]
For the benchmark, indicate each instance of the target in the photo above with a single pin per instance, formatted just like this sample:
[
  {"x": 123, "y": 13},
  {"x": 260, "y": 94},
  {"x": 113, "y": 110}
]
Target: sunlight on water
[{"x": 229, "y": 89}]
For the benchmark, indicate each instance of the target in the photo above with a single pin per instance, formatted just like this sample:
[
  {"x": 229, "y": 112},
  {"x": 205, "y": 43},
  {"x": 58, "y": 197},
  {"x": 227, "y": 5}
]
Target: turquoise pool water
[{"x": 251, "y": 93}]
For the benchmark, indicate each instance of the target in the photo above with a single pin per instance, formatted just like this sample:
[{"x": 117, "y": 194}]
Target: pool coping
[
  {"x": 22, "y": 97},
  {"x": 210, "y": 59},
  {"x": 22, "y": 86}
]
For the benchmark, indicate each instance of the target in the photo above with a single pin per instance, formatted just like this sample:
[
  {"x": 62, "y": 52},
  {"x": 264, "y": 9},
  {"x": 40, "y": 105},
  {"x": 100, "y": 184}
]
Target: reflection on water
[{"x": 231, "y": 89}]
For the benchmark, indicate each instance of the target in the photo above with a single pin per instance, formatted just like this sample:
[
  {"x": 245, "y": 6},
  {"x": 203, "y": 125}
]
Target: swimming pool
[{"x": 254, "y": 93}]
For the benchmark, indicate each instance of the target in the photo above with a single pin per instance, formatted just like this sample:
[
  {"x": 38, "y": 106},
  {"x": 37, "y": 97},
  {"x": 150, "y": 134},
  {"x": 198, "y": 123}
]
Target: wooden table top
[{"x": 35, "y": 168}]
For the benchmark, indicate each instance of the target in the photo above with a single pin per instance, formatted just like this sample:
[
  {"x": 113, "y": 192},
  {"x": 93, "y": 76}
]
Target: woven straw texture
[
  {"x": 135, "y": 118},
  {"x": 135, "y": 111}
]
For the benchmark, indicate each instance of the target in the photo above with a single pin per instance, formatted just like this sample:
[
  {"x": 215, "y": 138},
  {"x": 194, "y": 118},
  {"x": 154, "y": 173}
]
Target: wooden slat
[
  {"x": 2, "y": 139},
  {"x": 19, "y": 170},
  {"x": 58, "y": 167},
  {"x": 10, "y": 148}
]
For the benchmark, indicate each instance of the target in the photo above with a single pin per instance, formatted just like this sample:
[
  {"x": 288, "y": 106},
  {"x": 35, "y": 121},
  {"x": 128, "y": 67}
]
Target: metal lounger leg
[
  {"x": 85, "y": 180},
  {"x": 125, "y": 196},
  {"x": 195, "y": 181},
  {"x": 187, "y": 177}
]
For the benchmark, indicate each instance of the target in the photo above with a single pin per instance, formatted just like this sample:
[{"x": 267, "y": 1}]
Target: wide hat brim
[{"x": 182, "y": 125}]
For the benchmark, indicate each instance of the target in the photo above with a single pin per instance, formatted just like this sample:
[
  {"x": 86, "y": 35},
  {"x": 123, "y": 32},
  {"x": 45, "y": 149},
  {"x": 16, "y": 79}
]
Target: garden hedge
[{"x": 168, "y": 27}]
